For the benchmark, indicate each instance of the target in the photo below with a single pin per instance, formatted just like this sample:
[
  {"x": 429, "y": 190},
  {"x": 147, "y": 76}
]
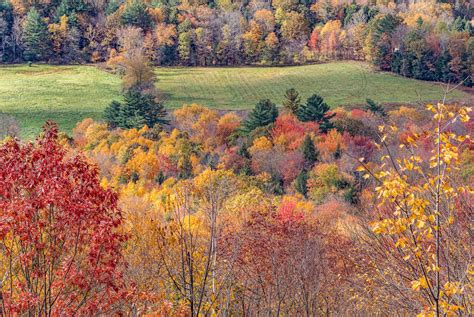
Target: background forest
[{"x": 430, "y": 40}]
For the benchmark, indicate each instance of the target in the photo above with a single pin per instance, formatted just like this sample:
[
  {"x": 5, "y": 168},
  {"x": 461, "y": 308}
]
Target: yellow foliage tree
[{"x": 421, "y": 242}]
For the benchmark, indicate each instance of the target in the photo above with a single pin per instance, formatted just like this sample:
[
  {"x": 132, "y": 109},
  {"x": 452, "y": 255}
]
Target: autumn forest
[{"x": 294, "y": 205}]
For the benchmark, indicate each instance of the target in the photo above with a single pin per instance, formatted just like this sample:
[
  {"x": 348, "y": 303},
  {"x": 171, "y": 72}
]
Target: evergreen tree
[
  {"x": 152, "y": 111},
  {"x": 349, "y": 12},
  {"x": 275, "y": 185},
  {"x": 292, "y": 100},
  {"x": 386, "y": 24},
  {"x": 6, "y": 25},
  {"x": 310, "y": 153},
  {"x": 468, "y": 27},
  {"x": 246, "y": 169},
  {"x": 338, "y": 153},
  {"x": 351, "y": 195},
  {"x": 130, "y": 114},
  {"x": 134, "y": 177},
  {"x": 407, "y": 62},
  {"x": 69, "y": 8},
  {"x": 112, "y": 114},
  {"x": 443, "y": 73},
  {"x": 243, "y": 150},
  {"x": 458, "y": 24},
  {"x": 160, "y": 178},
  {"x": 141, "y": 108},
  {"x": 186, "y": 168},
  {"x": 375, "y": 108},
  {"x": 185, "y": 47},
  {"x": 396, "y": 65},
  {"x": 112, "y": 6},
  {"x": 136, "y": 14},
  {"x": 35, "y": 37},
  {"x": 301, "y": 183},
  {"x": 264, "y": 113},
  {"x": 72, "y": 52},
  {"x": 137, "y": 110},
  {"x": 419, "y": 21},
  {"x": 316, "y": 110}
]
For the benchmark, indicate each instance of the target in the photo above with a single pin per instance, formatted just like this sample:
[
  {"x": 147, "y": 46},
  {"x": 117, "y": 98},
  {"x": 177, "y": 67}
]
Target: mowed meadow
[
  {"x": 65, "y": 94},
  {"x": 68, "y": 94},
  {"x": 339, "y": 83}
]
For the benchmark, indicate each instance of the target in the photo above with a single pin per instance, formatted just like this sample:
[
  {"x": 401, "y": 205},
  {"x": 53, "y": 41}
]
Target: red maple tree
[{"x": 59, "y": 240}]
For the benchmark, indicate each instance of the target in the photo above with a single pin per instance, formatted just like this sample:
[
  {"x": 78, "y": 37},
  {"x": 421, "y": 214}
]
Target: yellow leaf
[
  {"x": 400, "y": 243},
  {"x": 432, "y": 218},
  {"x": 450, "y": 220},
  {"x": 360, "y": 169},
  {"x": 421, "y": 283}
]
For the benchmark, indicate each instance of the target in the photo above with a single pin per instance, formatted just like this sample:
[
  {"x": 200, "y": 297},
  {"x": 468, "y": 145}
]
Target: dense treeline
[
  {"x": 297, "y": 212},
  {"x": 427, "y": 40}
]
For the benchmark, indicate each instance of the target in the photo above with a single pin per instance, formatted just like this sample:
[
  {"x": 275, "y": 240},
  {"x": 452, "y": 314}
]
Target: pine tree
[
  {"x": 264, "y": 113},
  {"x": 184, "y": 47},
  {"x": 292, "y": 100},
  {"x": 316, "y": 110},
  {"x": 375, "y": 108},
  {"x": 443, "y": 72},
  {"x": 468, "y": 27},
  {"x": 338, "y": 153},
  {"x": 458, "y": 24},
  {"x": 186, "y": 168},
  {"x": 419, "y": 21},
  {"x": 35, "y": 37},
  {"x": 130, "y": 114},
  {"x": 152, "y": 111},
  {"x": 301, "y": 183},
  {"x": 407, "y": 65},
  {"x": 136, "y": 14},
  {"x": 141, "y": 109},
  {"x": 310, "y": 153},
  {"x": 160, "y": 178},
  {"x": 396, "y": 64},
  {"x": 137, "y": 110},
  {"x": 243, "y": 150},
  {"x": 71, "y": 51},
  {"x": 112, "y": 114}
]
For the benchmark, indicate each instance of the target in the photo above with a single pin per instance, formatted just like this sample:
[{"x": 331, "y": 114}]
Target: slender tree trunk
[{"x": 438, "y": 222}]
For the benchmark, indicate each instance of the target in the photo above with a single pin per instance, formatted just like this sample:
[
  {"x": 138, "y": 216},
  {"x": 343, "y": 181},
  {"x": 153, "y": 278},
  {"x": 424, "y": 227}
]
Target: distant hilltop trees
[{"x": 426, "y": 40}]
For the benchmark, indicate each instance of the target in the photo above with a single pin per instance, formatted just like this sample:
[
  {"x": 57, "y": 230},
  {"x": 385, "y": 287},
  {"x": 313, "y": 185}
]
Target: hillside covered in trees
[
  {"x": 298, "y": 212},
  {"x": 430, "y": 40},
  {"x": 305, "y": 208}
]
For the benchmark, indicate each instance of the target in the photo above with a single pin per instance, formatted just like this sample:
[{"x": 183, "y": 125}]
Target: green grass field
[
  {"x": 340, "y": 83},
  {"x": 67, "y": 94}
]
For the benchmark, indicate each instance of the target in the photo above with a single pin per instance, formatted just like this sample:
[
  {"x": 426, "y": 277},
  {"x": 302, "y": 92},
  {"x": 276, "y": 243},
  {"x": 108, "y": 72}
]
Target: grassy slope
[
  {"x": 339, "y": 83},
  {"x": 67, "y": 94}
]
